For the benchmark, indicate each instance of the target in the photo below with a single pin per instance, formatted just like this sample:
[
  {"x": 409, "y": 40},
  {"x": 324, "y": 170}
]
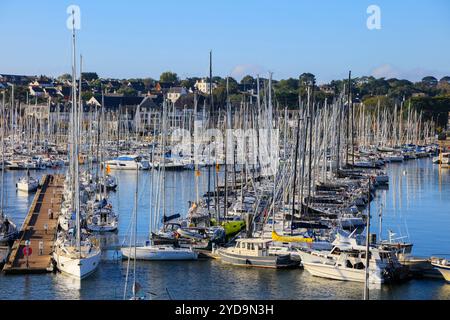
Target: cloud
[
  {"x": 416, "y": 74},
  {"x": 242, "y": 70}
]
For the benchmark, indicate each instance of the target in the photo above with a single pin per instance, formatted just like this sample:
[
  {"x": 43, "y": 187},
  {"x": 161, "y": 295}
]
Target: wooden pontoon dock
[{"x": 49, "y": 196}]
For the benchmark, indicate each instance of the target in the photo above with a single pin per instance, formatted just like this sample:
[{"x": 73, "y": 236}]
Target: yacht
[
  {"x": 27, "y": 184},
  {"x": 443, "y": 265},
  {"x": 256, "y": 252},
  {"x": 443, "y": 158},
  {"x": 128, "y": 162},
  {"x": 346, "y": 261},
  {"x": 403, "y": 251}
]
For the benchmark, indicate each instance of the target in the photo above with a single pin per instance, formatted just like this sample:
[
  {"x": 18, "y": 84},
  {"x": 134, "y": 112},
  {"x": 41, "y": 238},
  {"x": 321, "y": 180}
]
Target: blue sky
[{"x": 138, "y": 38}]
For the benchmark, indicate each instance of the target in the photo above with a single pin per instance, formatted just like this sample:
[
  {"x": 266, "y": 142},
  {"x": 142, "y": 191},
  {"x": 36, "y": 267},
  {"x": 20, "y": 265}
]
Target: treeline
[{"x": 431, "y": 95}]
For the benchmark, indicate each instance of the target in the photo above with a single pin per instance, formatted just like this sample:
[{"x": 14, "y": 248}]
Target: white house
[
  {"x": 204, "y": 86},
  {"x": 42, "y": 84},
  {"x": 36, "y": 91},
  {"x": 175, "y": 93}
]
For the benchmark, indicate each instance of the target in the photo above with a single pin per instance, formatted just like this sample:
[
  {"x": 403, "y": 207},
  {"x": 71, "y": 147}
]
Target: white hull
[
  {"x": 76, "y": 267},
  {"x": 63, "y": 222},
  {"x": 341, "y": 273},
  {"x": 160, "y": 253},
  {"x": 445, "y": 273},
  {"x": 127, "y": 165},
  {"x": 102, "y": 228},
  {"x": 440, "y": 160},
  {"x": 27, "y": 186}
]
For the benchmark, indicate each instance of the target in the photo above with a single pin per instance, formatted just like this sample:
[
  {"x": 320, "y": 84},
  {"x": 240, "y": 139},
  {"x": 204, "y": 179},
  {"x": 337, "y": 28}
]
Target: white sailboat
[
  {"x": 103, "y": 219},
  {"x": 76, "y": 260},
  {"x": 76, "y": 255},
  {"x": 158, "y": 252},
  {"x": 27, "y": 183}
]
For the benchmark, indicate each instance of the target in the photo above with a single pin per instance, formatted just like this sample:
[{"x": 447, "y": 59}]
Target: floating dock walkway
[{"x": 49, "y": 196}]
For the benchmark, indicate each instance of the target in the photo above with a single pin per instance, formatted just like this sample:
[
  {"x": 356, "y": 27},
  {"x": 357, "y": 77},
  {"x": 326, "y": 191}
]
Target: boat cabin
[{"x": 252, "y": 247}]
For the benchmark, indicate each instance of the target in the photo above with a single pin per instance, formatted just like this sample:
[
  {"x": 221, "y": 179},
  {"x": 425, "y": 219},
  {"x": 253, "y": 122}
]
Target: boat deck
[{"x": 49, "y": 196}]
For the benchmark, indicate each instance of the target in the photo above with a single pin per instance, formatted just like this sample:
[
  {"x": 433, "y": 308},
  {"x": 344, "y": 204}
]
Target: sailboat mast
[
  {"x": 75, "y": 122},
  {"x": 348, "y": 119},
  {"x": 227, "y": 129},
  {"x": 366, "y": 283},
  {"x": 3, "y": 155},
  {"x": 135, "y": 230},
  {"x": 295, "y": 174},
  {"x": 209, "y": 120}
]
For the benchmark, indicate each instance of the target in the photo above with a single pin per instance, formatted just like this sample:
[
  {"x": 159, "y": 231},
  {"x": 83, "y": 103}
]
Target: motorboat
[
  {"x": 403, "y": 252},
  {"x": 256, "y": 252},
  {"x": 27, "y": 184},
  {"x": 128, "y": 162},
  {"x": 346, "y": 261},
  {"x": 443, "y": 158},
  {"x": 443, "y": 265}
]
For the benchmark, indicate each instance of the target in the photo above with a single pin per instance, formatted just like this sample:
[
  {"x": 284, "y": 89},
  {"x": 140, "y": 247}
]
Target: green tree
[
  {"x": 86, "y": 95},
  {"x": 430, "y": 81},
  {"x": 248, "y": 80},
  {"x": 127, "y": 91},
  {"x": 168, "y": 76},
  {"x": 148, "y": 83},
  {"x": 445, "y": 79},
  {"x": 65, "y": 76},
  {"x": 189, "y": 82},
  {"x": 307, "y": 78},
  {"x": 89, "y": 76}
]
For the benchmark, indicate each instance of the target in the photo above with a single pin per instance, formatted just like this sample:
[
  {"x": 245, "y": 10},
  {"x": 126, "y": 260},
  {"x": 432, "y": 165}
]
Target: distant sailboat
[{"x": 27, "y": 183}]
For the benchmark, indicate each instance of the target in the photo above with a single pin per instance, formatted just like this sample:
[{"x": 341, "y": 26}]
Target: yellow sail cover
[{"x": 277, "y": 237}]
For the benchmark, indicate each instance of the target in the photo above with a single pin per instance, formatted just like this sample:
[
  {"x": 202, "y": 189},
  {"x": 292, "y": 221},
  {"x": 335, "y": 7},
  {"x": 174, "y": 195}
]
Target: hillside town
[{"x": 45, "y": 95}]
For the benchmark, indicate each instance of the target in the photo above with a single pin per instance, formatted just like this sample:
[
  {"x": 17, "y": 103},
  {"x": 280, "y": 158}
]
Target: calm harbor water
[{"x": 416, "y": 205}]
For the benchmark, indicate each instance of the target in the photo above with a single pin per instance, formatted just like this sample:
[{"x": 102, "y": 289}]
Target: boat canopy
[
  {"x": 126, "y": 158},
  {"x": 277, "y": 237}
]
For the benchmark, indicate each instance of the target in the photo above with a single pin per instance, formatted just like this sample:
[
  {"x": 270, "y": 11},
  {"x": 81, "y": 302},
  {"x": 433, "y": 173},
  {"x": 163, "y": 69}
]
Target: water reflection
[{"x": 66, "y": 288}]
